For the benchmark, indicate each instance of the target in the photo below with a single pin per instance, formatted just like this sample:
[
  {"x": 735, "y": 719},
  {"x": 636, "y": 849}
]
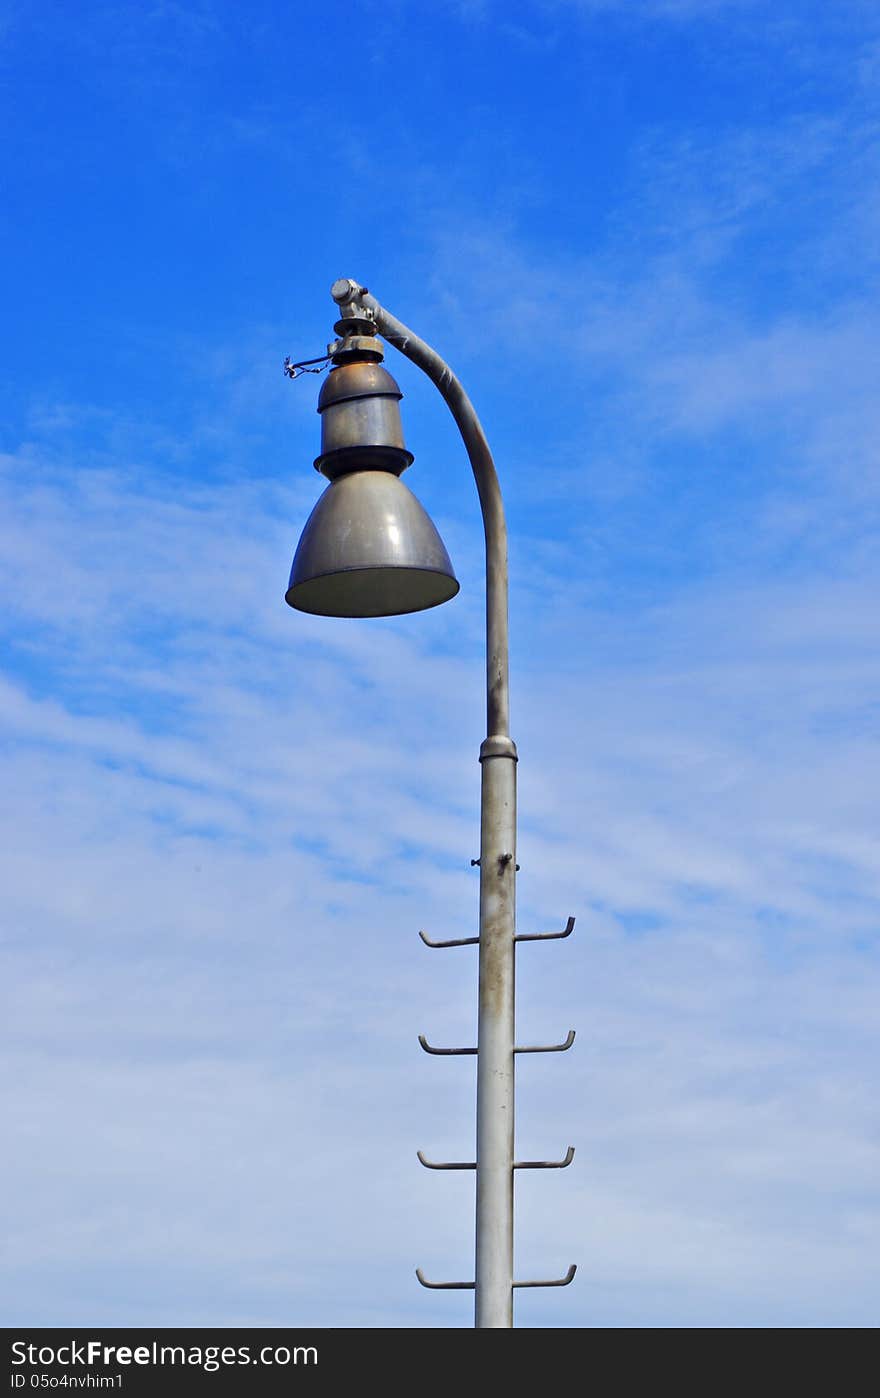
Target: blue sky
[{"x": 646, "y": 236}]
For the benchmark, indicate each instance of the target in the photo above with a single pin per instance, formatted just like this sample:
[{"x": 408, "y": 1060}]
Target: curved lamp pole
[{"x": 369, "y": 549}]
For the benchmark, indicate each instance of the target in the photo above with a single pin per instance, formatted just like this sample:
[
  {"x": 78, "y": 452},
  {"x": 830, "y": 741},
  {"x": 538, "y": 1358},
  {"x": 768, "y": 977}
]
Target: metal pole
[{"x": 495, "y": 1030}]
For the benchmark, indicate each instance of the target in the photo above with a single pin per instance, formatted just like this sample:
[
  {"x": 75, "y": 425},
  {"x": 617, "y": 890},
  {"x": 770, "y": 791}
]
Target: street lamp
[{"x": 369, "y": 549}]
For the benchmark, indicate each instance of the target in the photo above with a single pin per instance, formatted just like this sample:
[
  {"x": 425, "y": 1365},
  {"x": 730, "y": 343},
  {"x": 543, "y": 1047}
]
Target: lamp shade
[{"x": 369, "y": 549}]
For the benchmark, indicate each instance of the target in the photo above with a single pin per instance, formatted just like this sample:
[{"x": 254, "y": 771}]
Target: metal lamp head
[{"x": 368, "y": 548}]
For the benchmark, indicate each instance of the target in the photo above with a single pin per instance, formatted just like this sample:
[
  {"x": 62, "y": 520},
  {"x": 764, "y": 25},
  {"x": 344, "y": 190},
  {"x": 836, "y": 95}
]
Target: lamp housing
[{"x": 369, "y": 547}]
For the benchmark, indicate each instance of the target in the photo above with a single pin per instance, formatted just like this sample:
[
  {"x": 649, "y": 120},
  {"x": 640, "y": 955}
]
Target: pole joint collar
[{"x": 498, "y": 745}]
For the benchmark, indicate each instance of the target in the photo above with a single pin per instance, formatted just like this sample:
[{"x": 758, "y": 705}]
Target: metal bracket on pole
[
  {"x": 520, "y": 937},
  {"x": 446, "y": 1286},
  {"x": 546, "y": 1164},
  {"x": 458, "y": 942},
  {"x": 430, "y": 1049},
  {"x": 450, "y": 1165},
  {"x": 517, "y": 1164},
  {"x": 530, "y": 1048},
  {"x": 561, "y": 1281},
  {"x": 546, "y": 936},
  {"x": 469, "y": 1286}
]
